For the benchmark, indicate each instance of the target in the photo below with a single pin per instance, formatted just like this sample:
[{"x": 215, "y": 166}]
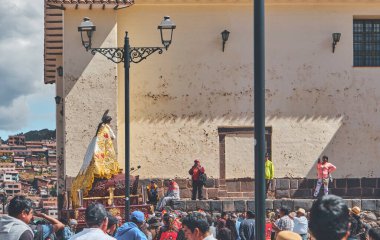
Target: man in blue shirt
[
  {"x": 301, "y": 224},
  {"x": 247, "y": 227},
  {"x": 131, "y": 230}
]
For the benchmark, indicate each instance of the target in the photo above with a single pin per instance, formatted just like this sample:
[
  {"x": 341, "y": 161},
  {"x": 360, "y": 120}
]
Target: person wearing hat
[
  {"x": 96, "y": 221},
  {"x": 288, "y": 235},
  {"x": 152, "y": 191},
  {"x": 131, "y": 230},
  {"x": 196, "y": 171},
  {"x": 171, "y": 194},
  {"x": 300, "y": 223},
  {"x": 269, "y": 172},
  {"x": 356, "y": 224}
]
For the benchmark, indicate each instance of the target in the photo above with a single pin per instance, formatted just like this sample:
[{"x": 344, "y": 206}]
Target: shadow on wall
[{"x": 79, "y": 64}]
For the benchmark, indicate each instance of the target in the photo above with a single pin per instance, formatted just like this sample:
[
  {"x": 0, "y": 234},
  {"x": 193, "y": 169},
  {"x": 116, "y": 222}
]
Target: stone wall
[
  {"x": 372, "y": 205},
  {"x": 296, "y": 188},
  {"x": 344, "y": 187}
]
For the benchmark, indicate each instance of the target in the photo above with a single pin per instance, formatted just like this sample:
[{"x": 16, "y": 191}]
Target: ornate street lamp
[
  {"x": 127, "y": 54},
  {"x": 86, "y": 28}
]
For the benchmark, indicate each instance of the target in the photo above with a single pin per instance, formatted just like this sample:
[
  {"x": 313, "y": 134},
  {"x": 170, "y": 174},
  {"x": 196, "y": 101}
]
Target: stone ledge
[{"x": 242, "y": 205}]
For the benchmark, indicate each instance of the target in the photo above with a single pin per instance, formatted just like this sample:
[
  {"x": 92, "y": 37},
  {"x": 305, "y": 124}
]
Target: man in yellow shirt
[{"x": 269, "y": 172}]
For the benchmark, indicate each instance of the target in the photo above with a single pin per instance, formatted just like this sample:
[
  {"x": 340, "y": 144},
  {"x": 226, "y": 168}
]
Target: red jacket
[{"x": 195, "y": 171}]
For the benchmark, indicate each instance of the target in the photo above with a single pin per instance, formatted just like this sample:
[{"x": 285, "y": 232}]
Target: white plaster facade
[{"x": 317, "y": 102}]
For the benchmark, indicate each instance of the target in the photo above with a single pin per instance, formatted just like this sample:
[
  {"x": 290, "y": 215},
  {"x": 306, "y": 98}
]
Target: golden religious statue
[{"x": 100, "y": 161}]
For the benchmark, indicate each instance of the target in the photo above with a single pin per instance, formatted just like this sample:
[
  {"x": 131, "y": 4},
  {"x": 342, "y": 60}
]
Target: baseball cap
[
  {"x": 196, "y": 161},
  {"x": 138, "y": 216},
  {"x": 95, "y": 214}
]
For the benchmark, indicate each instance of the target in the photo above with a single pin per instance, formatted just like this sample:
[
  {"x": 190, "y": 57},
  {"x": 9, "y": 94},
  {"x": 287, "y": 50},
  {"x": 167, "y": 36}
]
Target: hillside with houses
[{"x": 29, "y": 168}]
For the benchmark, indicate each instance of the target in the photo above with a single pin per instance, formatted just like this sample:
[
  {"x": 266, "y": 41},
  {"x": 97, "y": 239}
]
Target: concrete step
[
  {"x": 235, "y": 194},
  {"x": 222, "y": 193},
  {"x": 234, "y": 198}
]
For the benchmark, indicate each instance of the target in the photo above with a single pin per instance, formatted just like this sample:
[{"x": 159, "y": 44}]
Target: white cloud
[
  {"x": 14, "y": 116},
  {"x": 22, "y": 91}
]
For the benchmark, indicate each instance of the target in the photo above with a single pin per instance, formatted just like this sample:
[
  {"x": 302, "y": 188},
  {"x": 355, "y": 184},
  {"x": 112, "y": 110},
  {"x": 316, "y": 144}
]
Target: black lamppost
[
  {"x": 259, "y": 108},
  {"x": 127, "y": 54}
]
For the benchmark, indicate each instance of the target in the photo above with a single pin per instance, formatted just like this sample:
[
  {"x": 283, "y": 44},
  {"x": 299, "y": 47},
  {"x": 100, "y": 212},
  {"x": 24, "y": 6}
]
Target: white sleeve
[{"x": 111, "y": 132}]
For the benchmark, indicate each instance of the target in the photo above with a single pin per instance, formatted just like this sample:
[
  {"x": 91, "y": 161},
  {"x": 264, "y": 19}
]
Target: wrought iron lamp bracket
[{"x": 136, "y": 54}]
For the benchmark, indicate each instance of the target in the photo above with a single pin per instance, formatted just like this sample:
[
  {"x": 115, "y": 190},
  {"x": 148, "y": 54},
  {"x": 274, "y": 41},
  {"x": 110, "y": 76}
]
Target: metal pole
[
  {"x": 126, "y": 109},
  {"x": 259, "y": 102}
]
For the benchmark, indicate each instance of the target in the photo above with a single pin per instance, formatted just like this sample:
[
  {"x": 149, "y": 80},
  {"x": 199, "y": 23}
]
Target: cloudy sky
[{"x": 26, "y": 103}]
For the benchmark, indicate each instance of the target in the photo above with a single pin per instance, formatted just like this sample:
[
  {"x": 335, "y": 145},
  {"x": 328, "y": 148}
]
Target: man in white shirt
[
  {"x": 97, "y": 221},
  {"x": 301, "y": 223}
]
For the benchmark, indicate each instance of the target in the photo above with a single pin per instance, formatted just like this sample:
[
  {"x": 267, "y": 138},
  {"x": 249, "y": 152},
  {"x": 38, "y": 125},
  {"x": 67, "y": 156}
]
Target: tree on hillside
[{"x": 38, "y": 135}]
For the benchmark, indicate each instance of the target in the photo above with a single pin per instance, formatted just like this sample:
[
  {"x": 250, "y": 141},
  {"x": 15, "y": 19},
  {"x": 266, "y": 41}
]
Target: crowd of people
[{"x": 328, "y": 219}]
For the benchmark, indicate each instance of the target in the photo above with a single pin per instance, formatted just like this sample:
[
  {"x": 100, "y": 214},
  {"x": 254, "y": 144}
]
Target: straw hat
[
  {"x": 301, "y": 210},
  {"x": 288, "y": 235},
  {"x": 355, "y": 210}
]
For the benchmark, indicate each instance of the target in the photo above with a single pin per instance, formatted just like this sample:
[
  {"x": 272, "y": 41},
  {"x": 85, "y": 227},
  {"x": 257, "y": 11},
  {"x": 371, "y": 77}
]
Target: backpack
[
  {"x": 169, "y": 235},
  {"x": 203, "y": 178},
  {"x": 67, "y": 233},
  {"x": 39, "y": 233}
]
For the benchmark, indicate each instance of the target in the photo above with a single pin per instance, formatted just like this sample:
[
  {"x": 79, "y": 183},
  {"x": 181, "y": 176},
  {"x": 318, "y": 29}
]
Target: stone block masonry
[
  {"x": 372, "y": 205},
  {"x": 293, "y": 188}
]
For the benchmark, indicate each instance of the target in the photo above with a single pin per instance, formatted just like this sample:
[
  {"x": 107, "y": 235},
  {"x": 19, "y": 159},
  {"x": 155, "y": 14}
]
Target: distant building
[
  {"x": 6, "y": 153},
  {"x": 49, "y": 206},
  {"x": 26, "y": 188},
  {"x": 19, "y": 162},
  {"x": 9, "y": 176},
  {"x": 12, "y": 188},
  {"x": 22, "y": 152},
  {"x": 16, "y": 140},
  {"x": 4, "y": 147},
  {"x": 39, "y": 182},
  {"x": 5, "y": 166}
]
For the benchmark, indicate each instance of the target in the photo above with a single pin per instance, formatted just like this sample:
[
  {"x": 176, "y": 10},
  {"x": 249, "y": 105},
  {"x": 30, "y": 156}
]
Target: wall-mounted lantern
[
  {"x": 225, "y": 35},
  {"x": 336, "y": 38},
  {"x": 58, "y": 99}
]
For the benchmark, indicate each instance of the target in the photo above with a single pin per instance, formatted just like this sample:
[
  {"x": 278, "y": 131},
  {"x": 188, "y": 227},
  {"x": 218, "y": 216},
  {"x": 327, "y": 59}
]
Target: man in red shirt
[{"x": 195, "y": 172}]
